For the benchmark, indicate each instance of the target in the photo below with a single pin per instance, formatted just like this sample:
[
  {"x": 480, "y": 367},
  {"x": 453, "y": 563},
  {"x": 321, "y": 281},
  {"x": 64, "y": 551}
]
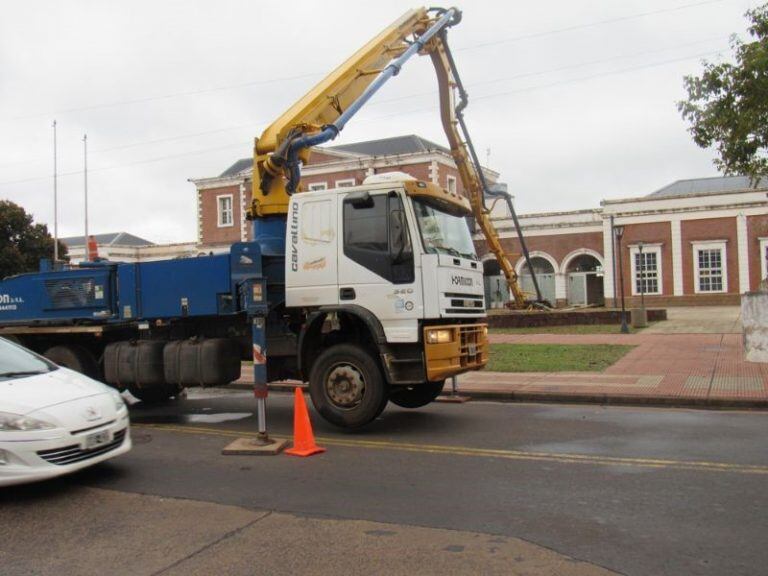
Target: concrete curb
[{"x": 583, "y": 398}]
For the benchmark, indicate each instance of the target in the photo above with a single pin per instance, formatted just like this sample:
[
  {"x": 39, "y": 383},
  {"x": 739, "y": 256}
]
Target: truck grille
[
  {"x": 465, "y": 303},
  {"x": 473, "y": 346},
  {"x": 73, "y": 453}
]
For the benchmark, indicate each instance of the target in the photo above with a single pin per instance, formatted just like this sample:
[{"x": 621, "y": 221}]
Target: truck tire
[
  {"x": 416, "y": 396},
  {"x": 75, "y": 358},
  {"x": 154, "y": 394},
  {"x": 347, "y": 386}
]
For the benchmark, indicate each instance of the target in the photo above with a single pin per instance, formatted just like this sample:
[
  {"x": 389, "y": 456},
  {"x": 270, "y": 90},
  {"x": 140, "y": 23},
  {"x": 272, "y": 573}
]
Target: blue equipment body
[{"x": 112, "y": 293}]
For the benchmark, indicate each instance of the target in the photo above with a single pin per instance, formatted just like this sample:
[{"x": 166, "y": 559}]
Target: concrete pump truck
[{"x": 372, "y": 294}]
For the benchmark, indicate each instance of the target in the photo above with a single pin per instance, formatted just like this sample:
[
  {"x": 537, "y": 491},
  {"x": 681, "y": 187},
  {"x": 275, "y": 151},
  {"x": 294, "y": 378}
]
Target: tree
[
  {"x": 727, "y": 105},
  {"x": 22, "y": 243}
]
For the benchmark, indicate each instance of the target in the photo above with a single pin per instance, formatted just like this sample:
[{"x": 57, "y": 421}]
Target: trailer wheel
[
  {"x": 75, "y": 358},
  {"x": 416, "y": 396},
  {"x": 347, "y": 386},
  {"x": 154, "y": 394}
]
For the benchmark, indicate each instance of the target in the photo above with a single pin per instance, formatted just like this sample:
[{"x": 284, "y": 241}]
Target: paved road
[{"x": 479, "y": 487}]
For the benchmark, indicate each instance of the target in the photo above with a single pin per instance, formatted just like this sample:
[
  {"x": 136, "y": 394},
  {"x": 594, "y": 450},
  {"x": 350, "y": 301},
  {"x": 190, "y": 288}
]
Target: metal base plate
[
  {"x": 458, "y": 399},
  {"x": 254, "y": 447}
]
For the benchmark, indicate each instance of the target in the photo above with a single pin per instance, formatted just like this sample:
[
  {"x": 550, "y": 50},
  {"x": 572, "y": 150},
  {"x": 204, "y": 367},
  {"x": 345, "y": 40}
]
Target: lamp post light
[{"x": 618, "y": 232}]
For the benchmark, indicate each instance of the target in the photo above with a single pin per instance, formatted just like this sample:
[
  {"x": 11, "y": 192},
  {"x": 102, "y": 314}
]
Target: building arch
[
  {"x": 520, "y": 266},
  {"x": 490, "y": 264},
  {"x": 582, "y": 273},
  {"x": 580, "y": 252},
  {"x": 545, "y": 267}
]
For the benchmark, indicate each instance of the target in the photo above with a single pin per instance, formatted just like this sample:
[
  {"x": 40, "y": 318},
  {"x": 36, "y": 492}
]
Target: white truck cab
[{"x": 397, "y": 251}]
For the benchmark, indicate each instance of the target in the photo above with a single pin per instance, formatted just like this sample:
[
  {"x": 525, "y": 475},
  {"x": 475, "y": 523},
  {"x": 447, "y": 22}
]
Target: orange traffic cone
[{"x": 303, "y": 438}]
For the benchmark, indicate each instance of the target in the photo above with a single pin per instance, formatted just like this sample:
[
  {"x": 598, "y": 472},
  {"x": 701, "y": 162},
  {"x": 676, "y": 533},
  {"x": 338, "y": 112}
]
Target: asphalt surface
[{"x": 564, "y": 490}]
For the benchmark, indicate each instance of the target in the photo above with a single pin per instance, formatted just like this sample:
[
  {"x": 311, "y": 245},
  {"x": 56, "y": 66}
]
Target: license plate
[{"x": 97, "y": 439}]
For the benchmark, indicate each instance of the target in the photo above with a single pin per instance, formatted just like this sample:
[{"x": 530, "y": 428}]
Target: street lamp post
[
  {"x": 643, "y": 318},
  {"x": 618, "y": 232},
  {"x": 642, "y": 278}
]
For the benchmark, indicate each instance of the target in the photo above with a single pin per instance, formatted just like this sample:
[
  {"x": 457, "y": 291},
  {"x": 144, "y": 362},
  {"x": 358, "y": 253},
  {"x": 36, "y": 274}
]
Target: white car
[{"x": 53, "y": 420}]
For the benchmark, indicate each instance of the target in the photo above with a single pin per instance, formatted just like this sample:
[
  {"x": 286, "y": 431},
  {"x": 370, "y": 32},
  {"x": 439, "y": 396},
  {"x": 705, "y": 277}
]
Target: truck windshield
[{"x": 442, "y": 232}]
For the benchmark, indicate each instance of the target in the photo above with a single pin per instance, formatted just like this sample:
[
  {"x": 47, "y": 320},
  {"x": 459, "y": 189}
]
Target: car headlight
[
  {"x": 10, "y": 422},
  {"x": 439, "y": 336},
  {"x": 118, "y": 399}
]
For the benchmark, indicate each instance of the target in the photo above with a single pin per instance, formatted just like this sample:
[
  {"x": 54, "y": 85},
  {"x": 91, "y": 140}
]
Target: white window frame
[
  {"x": 710, "y": 245},
  {"x": 647, "y": 249},
  {"x": 220, "y": 213},
  {"x": 346, "y": 182},
  {"x": 315, "y": 186},
  {"x": 451, "y": 179},
  {"x": 763, "y": 258}
]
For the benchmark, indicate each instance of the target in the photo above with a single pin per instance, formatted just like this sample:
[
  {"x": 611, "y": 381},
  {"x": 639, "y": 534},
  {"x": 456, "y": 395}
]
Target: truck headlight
[
  {"x": 439, "y": 336},
  {"x": 10, "y": 422}
]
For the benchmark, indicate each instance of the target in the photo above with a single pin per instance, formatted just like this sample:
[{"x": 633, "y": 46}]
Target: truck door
[
  {"x": 377, "y": 267},
  {"x": 310, "y": 263}
]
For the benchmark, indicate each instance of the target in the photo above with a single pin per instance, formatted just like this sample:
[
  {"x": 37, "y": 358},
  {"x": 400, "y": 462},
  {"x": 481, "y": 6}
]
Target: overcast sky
[{"x": 571, "y": 101}]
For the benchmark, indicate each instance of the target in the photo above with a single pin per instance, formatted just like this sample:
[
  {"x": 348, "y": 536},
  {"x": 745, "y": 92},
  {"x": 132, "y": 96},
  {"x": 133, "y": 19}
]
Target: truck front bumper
[{"x": 454, "y": 349}]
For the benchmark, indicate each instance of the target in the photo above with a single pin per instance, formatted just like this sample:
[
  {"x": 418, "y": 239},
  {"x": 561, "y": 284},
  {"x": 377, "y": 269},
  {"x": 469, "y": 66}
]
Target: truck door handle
[{"x": 347, "y": 294}]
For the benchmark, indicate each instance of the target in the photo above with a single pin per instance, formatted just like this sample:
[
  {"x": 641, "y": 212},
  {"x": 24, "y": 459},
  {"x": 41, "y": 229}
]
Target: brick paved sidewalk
[
  {"x": 663, "y": 369},
  {"x": 676, "y": 369}
]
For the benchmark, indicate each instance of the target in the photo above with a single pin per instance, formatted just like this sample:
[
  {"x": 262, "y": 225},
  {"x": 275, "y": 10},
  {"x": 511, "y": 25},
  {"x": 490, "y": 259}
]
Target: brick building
[
  {"x": 223, "y": 200},
  {"x": 699, "y": 241}
]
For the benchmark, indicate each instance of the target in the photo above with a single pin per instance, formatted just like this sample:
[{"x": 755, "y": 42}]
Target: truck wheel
[
  {"x": 75, "y": 358},
  {"x": 416, "y": 396},
  {"x": 154, "y": 394},
  {"x": 347, "y": 386}
]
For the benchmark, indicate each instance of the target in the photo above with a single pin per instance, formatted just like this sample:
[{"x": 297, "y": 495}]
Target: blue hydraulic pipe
[{"x": 330, "y": 131}]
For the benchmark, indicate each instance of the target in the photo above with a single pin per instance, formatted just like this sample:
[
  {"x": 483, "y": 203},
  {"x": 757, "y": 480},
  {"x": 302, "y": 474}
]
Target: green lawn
[
  {"x": 571, "y": 329},
  {"x": 554, "y": 357}
]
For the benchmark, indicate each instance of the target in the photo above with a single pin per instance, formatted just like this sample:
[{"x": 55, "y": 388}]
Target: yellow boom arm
[
  {"x": 320, "y": 114},
  {"x": 322, "y": 106}
]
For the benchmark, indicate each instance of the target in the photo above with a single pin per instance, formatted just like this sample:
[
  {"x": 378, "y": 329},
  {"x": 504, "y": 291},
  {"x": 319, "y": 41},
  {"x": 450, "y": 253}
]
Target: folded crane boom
[{"x": 322, "y": 113}]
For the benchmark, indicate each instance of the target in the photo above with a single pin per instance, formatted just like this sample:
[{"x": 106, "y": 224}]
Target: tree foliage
[
  {"x": 22, "y": 243},
  {"x": 727, "y": 105}
]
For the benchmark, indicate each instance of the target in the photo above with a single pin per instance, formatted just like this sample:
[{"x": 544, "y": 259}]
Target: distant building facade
[
  {"x": 700, "y": 241},
  {"x": 125, "y": 247}
]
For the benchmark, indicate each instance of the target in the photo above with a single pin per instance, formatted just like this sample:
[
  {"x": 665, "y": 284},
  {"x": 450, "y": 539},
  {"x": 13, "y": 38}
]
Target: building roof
[
  {"x": 237, "y": 167},
  {"x": 410, "y": 144},
  {"x": 696, "y": 186},
  {"x": 111, "y": 239}
]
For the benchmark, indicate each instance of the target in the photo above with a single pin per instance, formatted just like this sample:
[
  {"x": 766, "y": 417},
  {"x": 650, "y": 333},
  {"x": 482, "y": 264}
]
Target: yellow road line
[{"x": 491, "y": 453}]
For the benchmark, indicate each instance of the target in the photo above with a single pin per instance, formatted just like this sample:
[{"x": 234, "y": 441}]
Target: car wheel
[
  {"x": 416, "y": 396},
  {"x": 75, "y": 358},
  {"x": 347, "y": 386}
]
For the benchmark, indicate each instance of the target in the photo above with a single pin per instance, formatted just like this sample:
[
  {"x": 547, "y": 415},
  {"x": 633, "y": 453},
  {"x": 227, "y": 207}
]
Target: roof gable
[
  {"x": 410, "y": 144},
  {"x": 109, "y": 239},
  {"x": 696, "y": 186}
]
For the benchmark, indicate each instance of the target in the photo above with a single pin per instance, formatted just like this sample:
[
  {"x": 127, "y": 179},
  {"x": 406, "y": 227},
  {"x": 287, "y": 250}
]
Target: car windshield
[
  {"x": 16, "y": 361},
  {"x": 442, "y": 232}
]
